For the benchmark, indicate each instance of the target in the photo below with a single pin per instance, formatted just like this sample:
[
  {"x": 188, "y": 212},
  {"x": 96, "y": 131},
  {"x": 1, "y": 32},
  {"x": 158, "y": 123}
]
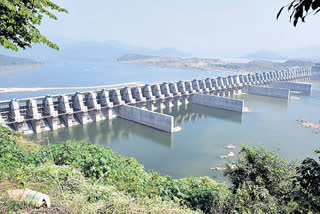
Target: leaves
[
  {"x": 280, "y": 11},
  {"x": 19, "y": 21},
  {"x": 300, "y": 9}
]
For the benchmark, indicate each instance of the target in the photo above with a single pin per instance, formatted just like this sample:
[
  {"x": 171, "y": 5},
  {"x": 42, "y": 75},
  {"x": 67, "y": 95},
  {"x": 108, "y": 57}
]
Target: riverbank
[
  {"x": 128, "y": 84},
  {"x": 19, "y": 67}
]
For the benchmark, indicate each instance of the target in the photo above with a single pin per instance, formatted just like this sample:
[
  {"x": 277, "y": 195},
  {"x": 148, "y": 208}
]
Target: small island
[
  {"x": 213, "y": 64},
  {"x": 9, "y": 63}
]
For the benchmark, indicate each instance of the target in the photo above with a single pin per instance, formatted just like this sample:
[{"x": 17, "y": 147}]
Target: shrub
[
  {"x": 262, "y": 168},
  {"x": 12, "y": 157},
  {"x": 307, "y": 183},
  {"x": 78, "y": 161}
]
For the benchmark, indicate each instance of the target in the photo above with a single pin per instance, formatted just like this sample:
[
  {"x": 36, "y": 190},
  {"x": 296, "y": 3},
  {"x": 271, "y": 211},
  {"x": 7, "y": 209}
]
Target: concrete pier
[
  {"x": 147, "y": 92},
  {"x": 208, "y": 83},
  {"x": 65, "y": 110},
  {"x": 182, "y": 88},
  {"x": 153, "y": 119},
  {"x": 218, "y": 102},
  {"x": 115, "y": 96},
  {"x": 189, "y": 87},
  {"x": 294, "y": 86},
  {"x": 268, "y": 91},
  {"x": 32, "y": 113},
  {"x": 50, "y": 113},
  {"x": 80, "y": 109}
]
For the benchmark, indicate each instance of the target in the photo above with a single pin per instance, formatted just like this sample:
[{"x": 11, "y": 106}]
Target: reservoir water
[{"x": 205, "y": 131}]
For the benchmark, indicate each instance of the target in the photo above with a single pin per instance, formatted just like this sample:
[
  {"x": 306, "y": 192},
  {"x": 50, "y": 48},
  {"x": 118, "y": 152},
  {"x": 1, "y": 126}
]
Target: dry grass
[{"x": 26, "y": 144}]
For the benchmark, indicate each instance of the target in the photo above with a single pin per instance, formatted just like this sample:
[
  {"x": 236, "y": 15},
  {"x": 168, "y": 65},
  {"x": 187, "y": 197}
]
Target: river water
[{"x": 205, "y": 131}]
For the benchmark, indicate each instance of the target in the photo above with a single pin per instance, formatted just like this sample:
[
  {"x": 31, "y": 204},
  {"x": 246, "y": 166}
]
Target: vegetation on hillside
[{"x": 84, "y": 178}]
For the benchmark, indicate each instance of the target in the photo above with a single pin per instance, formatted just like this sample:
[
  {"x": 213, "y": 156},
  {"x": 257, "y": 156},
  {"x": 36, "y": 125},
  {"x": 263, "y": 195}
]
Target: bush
[
  {"x": 307, "y": 182},
  {"x": 83, "y": 177},
  {"x": 12, "y": 157},
  {"x": 101, "y": 165},
  {"x": 262, "y": 168},
  {"x": 265, "y": 183}
]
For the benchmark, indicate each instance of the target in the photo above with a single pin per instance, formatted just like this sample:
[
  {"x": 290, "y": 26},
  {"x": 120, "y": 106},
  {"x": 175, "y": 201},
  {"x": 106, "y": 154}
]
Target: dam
[{"x": 139, "y": 103}]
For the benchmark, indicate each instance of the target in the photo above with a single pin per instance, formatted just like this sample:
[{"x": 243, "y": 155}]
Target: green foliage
[
  {"x": 307, "y": 180},
  {"x": 19, "y": 21},
  {"x": 262, "y": 168},
  {"x": 265, "y": 183},
  {"x": 126, "y": 174},
  {"x": 300, "y": 9},
  {"x": 11, "y": 156},
  {"x": 101, "y": 165},
  {"x": 83, "y": 177}
]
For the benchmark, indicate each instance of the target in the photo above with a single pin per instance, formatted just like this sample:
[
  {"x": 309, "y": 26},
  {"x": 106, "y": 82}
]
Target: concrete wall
[
  {"x": 268, "y": 91},
  {"x": 153, "y": 119},
  {"x": 305, "y": 87},
  {"x": 218, "y": 102}
]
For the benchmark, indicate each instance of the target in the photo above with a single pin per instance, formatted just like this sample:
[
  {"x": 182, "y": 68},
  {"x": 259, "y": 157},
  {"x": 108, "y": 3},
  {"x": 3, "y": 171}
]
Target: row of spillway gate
[{"x": 38, "y": 114}]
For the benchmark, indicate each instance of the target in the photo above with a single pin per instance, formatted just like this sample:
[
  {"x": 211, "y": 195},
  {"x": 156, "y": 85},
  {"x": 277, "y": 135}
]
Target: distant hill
[
  {"x": 9, "y": 60},
  {"x": 130, "y": 57},
  {"x": 264, "y": 55},
  {"x": 213, "y": 64},
  {"x": 9, "y": 63}
]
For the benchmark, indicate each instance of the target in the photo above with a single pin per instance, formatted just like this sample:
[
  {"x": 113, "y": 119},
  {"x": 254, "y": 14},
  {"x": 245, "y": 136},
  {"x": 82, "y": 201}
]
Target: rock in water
[
  {"x": 217, "y": 168},
  {"x": 223, "y": 156},
  {"x": 230, "y": 146},
  {"x": 230, "y": 154}
]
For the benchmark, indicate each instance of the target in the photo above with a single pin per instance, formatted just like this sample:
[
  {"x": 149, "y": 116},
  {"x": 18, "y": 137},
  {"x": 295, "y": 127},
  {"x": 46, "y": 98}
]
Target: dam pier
[{"x": 138, "y": 103}]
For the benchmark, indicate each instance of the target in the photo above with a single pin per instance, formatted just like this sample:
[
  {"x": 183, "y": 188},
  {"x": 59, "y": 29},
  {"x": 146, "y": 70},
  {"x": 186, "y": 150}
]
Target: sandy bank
[{"x": 11, "y": 90}]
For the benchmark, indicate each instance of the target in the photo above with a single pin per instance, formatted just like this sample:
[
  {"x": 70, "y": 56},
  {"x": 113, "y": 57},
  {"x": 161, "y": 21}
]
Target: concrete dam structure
[{"x": 138, "y": 104}]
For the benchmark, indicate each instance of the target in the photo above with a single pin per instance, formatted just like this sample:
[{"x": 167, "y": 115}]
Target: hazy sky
[{"x": 195, "y": 26}]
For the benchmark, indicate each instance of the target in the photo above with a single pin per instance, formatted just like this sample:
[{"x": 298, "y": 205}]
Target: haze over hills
[
  {"x": 70, "y": 50},
  {"x": 307, "y": 53},
  {"x": 95, "y": 52},
  {"x": 89, "y": 50}
]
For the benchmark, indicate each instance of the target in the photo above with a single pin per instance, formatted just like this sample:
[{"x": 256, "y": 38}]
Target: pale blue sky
[{"x": 194, "y": 26}]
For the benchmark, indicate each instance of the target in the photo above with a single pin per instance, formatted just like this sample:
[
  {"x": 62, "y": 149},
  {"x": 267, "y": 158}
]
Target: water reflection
[
  {"x": 192, "y": 112},
  {"x": 269, "y": 102},
  {"x": 106, "y": 132}
]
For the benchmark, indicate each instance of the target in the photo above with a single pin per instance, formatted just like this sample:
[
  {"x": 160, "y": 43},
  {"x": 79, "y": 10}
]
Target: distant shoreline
[
  {"x": 216, "y": 65},
  {"x": 19, "y": 67}
]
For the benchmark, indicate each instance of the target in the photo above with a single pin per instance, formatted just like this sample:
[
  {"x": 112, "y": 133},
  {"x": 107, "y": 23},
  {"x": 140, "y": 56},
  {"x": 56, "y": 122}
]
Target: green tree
[
  {"x": 300, "y": 9},
  {"x": 307, "y": 181},
  {"x": 19, "y": 20}
]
